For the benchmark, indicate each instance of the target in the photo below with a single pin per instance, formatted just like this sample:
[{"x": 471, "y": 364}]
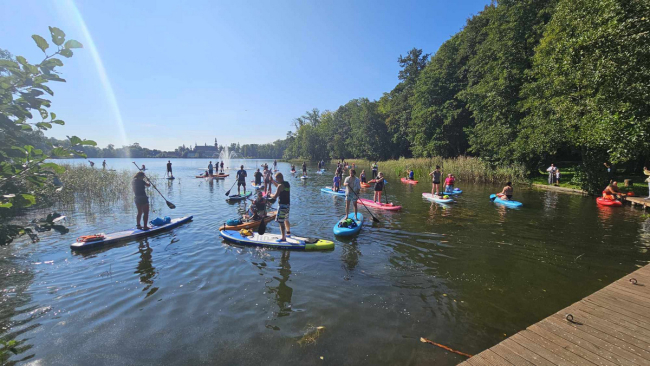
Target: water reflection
[
  {"x": 145, "y": 267},
  {"x": 350, "y": 256},
  {"x": 282, "y": 291}
]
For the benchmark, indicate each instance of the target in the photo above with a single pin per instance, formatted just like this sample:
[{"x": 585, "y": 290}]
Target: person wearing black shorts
[
  {"x": 169, "y": 169},
  {"x": 141, "y": 200},
  {"x": 241, "y": 179},
  {"x": 379, "y": 187}
]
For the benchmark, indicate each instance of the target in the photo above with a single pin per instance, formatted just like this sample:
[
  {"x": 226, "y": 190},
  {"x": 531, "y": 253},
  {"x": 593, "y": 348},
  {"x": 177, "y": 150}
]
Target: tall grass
[
  {"x": 88, "y": 186},
  {"x": 465, "y": 169}
]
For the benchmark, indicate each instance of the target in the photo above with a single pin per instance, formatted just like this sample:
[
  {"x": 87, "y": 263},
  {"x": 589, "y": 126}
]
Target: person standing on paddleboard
[
  {"x": 210, "y": 168},
  {"x": 304, "y": 168},
  {"x": 436, "y": 174},
  {"x": 268, "y": 178},
  {"x": 363, "y": 176},
  {"x": 258, "y": 178},
  {"x": 169, "y": 169},
  {"x": 104, "y": 164},
  {"x": 352, "y": 189},
  {"x": 379, "y": 187},
  {"x": 283, "y": 192},
  {"x": 221, "y": 166},
  {"x": 336, "y": 183},
  {"x": 241, "y": 179},
  {"x": 141, "y": 200}
]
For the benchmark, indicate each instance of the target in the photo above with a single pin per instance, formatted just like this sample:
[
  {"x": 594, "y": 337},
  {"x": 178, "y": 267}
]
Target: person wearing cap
[{"x": 241, "y": 179}]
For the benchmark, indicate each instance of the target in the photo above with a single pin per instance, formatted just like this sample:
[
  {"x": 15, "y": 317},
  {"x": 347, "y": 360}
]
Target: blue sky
[{"x": 189, "y": 71}]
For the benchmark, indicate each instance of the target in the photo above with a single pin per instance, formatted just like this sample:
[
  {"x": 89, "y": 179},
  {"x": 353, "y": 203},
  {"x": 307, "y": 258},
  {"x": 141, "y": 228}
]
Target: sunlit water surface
[{"x": 466, "y": 275}]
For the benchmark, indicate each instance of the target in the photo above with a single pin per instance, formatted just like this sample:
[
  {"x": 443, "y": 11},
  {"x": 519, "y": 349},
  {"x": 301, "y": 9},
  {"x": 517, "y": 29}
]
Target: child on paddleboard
[
  {"x": 363, "y": 176},
  {"x": 379, "y": 187}
]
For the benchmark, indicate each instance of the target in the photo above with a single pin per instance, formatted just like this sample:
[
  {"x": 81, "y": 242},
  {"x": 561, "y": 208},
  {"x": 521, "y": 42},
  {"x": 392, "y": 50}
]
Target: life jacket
[
  {"x": 87, "y": 238},
  {"x": 245, "y": 232}
]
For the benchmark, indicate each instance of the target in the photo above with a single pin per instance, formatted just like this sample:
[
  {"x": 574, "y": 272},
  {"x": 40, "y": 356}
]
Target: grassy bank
[{"x": 466, "y": 169}]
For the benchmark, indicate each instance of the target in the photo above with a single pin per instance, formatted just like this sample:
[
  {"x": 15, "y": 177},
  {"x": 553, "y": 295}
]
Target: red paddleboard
[
  {"x": 404, "y": 180},
  {"x": 381, "y": 206},
  {"x": 605, "y": 202}
]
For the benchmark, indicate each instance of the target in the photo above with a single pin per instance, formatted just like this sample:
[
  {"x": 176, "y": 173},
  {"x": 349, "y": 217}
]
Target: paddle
[
  {"x": 385, "y": 192},
  {"x": 169, "y": 204},
  {"x": 233, "y": 185},
  {"x": 364, "y": 205}
]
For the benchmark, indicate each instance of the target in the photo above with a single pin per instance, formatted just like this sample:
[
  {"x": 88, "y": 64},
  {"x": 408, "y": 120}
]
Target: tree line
[{"x": 526, "y": 81}]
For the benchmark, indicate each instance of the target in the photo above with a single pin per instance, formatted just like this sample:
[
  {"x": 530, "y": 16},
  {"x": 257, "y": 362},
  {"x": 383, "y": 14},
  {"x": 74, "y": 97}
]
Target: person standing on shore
[
  {"x": 169, "y": 169},
  {"x": 436, "y": 175},
  {"x": 551, "y": 174},
  {"x": 141, "y": 200},
  {"x": 352, "y": 189},
  {"x": 284, "y": 195}
]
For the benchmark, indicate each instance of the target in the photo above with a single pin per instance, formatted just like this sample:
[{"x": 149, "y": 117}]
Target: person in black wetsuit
[
  {"x": 304, "y": 168},
  {"x": 169, "y": 169},
  {"x": 283, "y": 193},
  {"x": 141, "y": 200}
]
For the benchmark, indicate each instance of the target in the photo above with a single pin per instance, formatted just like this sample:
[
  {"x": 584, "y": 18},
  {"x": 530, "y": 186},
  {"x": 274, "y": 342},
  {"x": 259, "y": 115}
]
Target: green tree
[{"x": 25, "y": 176}]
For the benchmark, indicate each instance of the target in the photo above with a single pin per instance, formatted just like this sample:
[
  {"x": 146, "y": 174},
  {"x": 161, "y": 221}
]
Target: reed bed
[
  {"x": 88, "y": 186},
  {"x": 466, "y": 169}
]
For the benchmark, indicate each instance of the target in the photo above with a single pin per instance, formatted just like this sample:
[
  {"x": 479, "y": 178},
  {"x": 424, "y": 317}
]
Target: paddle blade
[
  {"x": 262, "y": 228},
  {"x": 171, "y": 205},
  {"x": 374, "y": 219}
]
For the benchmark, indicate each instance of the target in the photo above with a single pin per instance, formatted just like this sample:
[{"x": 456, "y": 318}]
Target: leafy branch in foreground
[{"x": 26, "y": 179}]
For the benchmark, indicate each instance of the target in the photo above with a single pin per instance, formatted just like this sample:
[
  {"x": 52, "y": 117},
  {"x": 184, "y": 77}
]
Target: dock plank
[{"x": 610, "y": 327}]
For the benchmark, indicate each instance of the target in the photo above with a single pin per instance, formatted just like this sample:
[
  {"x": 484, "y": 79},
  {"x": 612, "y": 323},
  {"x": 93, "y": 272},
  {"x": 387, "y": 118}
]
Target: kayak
[
  {"x": 127, "y": 235},
  {"x": 331, "y": 191},
  {"x": 271, "y": 240},
  {"x": 365, "y": 185},
  {"x": 606, "y": 202},
  {"x": 304, "y": 177},
  {"x": 454, "y": 192},
  {"x": 250, "y": 224},
  {"x": 203, "y": 176},
  {"x": 379, "y": 205},
  {"x": 346, "y": 231},
  {"x": 409, "y": 181},
  {"x": 239, "y": 197},
  {"x": 509, "y": 203},
  {"x": 434, "y": 198}
]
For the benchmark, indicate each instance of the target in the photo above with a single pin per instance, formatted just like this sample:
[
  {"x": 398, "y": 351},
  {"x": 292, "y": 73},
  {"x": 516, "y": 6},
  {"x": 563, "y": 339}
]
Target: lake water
[{"x": 466, "y": 275}]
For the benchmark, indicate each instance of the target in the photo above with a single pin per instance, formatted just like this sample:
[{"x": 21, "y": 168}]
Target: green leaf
[
  {"x": 19, "y": 149},
  {"x": 89, "y": 143},
  {"x": 66, "y": 52},
  {"x": 43, "y": 112},
  {"x": 58, "y": 169},
  {"x": 26, "y": 127},
  {"x": 74, "y": 140},
  {"x": 59, "y": 151},
  {"x": 58, "y": 122},
  {"x": 73, "y": 44},
  {"x": 44, "y": 87},
  {"x": 41, "y": 42},
  {"x": 52, "y": 115},
  {"x": 29, "y": 198},
  {"x": 58, "y": 37},
  {"x": 44, "y": 125},
  {"x": 22, "y": 60},
  {"x": 6, "y": 205}
]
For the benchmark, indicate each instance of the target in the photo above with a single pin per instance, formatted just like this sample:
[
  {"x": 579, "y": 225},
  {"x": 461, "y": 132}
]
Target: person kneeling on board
[
  {"x": 258, "y": 207},
  {"x": 283, "y": 193},
  {"x": 141, "y": 200},
  {"x": 612, "y": 192},
  {"x": 506, "y": 193}
]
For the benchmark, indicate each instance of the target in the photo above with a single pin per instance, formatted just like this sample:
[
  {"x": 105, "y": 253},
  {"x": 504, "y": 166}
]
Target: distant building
[{"x": 206, "y": 151}]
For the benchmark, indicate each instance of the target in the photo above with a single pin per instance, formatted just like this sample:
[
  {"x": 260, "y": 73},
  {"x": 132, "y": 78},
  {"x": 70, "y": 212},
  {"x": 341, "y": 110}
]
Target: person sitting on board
[
  {"x": 283, "y": 192},
  {"x": 379, "y": 187},
  {"x": 449, "y": 183},
  {"x": 411, "y": 175},
  {"x": 141, "y": 200},
  {"x": 363, "y": 176},
  {"x": 241, "y": 179},
  {"x": 612, "y": 192},
  {"x": 258, "y": 177},
  {"x": 506, "y": 193},
  {"x": 436, "y": 175},
  {"x": 169, "y": 169},
  {"x": 258, "y": 207},
  {"x": 352, "y": 189},
  {"x": 336, "y": 183},
  {"x": 210, "y": 168},
  {"x": 206, "y": 174}
]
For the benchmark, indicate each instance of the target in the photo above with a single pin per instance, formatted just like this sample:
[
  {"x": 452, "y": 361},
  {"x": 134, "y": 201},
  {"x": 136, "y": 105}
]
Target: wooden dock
[
  {"x": 548, "y": 187},
  {"x": 638, "y": 201},
  {"x": 609, "y": 327}
]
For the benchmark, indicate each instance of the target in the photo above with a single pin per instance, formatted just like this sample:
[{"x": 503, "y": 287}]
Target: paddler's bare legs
[{"x": 143, "y": 210}]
